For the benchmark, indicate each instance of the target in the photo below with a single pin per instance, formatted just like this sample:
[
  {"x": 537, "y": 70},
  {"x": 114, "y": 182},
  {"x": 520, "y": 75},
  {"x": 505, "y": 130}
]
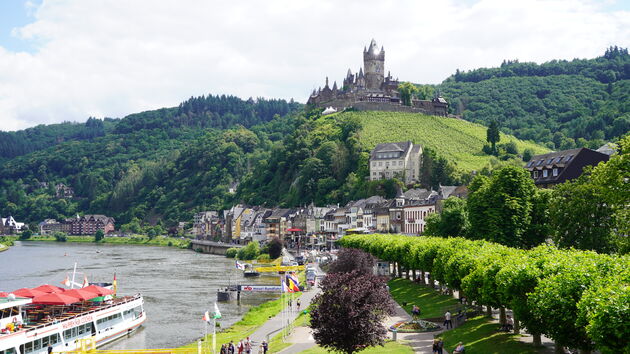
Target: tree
[
  {"x": 452, "y": 221},
  {"x": 347, "y": 315},
  {"x": 500, "y": 208},
  {"x": 275, "y": 248},
  {"x": 99, "y": 235},
  {"x": 493, "y": 135},
  {"x": 407, "y": 90},
  {"x": 60, "y": 236},
  {"x": 352, "y": 259},
  {"x": 527, "y": 155},
  {"x": 249, "y": 252}
]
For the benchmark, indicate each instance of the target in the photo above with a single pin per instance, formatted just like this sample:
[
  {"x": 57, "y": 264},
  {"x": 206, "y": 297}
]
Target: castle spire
[
  {"x": 334, "y": 86},
  {"x": 361, "y": 73},
  {"x": 326, "y": 82},
  {"x": 373, "y": 46},
  {"x": 349, "y": 73},
  {"x": 382, "y": 49}
]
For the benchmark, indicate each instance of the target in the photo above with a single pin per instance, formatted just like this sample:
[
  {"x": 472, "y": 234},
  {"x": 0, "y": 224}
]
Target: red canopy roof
[
  {"x": 98, "y": 290},
  {"x": 80, "y": 294},
  {"x": 55, "y": 299},
  {"x": 27, "y": 292},
  {"x": 47, "y": 288},
  {"x": 3, "y": 294},
  {"x": 294, "y": 230}
]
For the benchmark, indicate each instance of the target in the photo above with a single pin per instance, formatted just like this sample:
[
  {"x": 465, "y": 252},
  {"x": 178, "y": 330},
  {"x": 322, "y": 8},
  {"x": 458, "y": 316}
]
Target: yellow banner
[{"x": 278, "y": 269}]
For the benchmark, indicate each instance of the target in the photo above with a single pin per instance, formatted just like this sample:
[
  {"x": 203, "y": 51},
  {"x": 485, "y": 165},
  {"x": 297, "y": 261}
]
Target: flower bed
[{"x": 418, "y": 326}]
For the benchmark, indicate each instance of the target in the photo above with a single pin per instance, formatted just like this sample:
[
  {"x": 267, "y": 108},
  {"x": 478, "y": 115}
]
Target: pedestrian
[
  {"x": 240, "y": 347},
  {"x": 440, "y": 346},
  {"x": 231, "y": 347},
  {"x": 224, "y": 349},
  {"x": 298, "y": 304},
  {"x": 265, "y": 347},
  {"x": 459, "y": 349},
  {"x": 415, "y": 311},
  {"x": 447, "y": 319},
  {"x": 50, "y": 348},
  {"x": 248, "y": 346},
  {"x": 435, "y": 346}
]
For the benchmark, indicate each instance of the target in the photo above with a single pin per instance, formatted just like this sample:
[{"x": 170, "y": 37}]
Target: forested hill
[
  {"x": 202, "y": 112},
  {"x": 139, "y": 166},
  {"x": 562, "y": 104}
]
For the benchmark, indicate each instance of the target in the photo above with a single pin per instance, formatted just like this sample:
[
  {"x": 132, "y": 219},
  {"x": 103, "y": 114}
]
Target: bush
[
  {"x": 60, "y": 237},
  {"x": 99, "y": 235},
  {"x": 231, "y": 252},
  {"x": 26, "y": 234},
  {"x": 263, "y": 257},
  {"x": 249, "y": 252}
]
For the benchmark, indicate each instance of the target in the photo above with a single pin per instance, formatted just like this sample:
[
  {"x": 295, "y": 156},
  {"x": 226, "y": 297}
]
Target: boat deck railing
[{"x": 69, "y": 315}]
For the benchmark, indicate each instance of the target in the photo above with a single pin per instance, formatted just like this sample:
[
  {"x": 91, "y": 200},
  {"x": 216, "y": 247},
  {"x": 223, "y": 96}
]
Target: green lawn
[
  {"x": 431, "y": 303},
  {"x": 253, "y": 319},
  {"x": 480, "y": 335},
  {"x": 389, "y": 348}
]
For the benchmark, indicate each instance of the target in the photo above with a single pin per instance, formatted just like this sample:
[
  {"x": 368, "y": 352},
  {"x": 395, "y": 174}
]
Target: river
[{"x": 178, "y": 285}]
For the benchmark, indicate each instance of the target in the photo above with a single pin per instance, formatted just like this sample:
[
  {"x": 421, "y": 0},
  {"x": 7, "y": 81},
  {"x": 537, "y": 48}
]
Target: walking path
[{"x": 420, "y": 342}]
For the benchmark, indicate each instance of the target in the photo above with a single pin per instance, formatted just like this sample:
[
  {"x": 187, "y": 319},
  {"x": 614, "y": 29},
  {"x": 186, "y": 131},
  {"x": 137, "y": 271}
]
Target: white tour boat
[{"x": 46, "y": 317}]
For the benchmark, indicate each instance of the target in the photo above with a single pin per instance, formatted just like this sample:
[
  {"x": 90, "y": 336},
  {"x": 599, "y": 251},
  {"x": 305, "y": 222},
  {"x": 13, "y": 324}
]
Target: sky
[{"x": 67, "y": 60}]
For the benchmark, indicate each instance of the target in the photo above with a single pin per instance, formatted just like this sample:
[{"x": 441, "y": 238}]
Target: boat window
[{"x": 8, "y": 351}]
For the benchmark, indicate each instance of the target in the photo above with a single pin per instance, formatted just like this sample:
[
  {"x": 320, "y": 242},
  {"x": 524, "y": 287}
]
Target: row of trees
[
  {"x": 580, "y": 299},
  {"x": 588, "y": 213}
]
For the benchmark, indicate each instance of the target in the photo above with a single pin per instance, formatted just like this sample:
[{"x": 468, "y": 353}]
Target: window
[
  {"x": 555, "y": 172},
  {"x": 559, "y": 159},
  {"x": 400, "y": 163},
  {"x": 535, "y": 174},
  {"x": 373, "y": 173},
  {"x": 380, "y": 164},
  {"x": 544, "y": 173},
  {"x": 549, "y": 161},
  {"x": 539, "y": 162},
  {"x": 529, "y": 164},
  {"x": 373, "y": 164},
  {"x": 568, "y": 158}
]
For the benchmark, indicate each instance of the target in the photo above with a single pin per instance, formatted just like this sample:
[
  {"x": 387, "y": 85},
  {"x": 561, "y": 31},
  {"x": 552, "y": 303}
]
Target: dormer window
[
  {"x": 545, "y": 173},
  {"x": 549, "y": 161},
  {"x": 539, "y": 162},
  {"x": 555, "y": 172},
  {"x": 559, "y": 159},
  {"x": 568, "y": 158}
]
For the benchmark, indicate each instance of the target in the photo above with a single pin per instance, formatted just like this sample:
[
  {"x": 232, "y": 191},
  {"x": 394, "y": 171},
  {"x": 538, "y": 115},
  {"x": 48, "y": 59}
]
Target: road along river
[{"x": 178, "y": 285}]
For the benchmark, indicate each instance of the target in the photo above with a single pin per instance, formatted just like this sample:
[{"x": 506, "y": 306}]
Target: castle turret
[
  {"x": 374, "y": 64},
  {"x": 334, "y": 86}
]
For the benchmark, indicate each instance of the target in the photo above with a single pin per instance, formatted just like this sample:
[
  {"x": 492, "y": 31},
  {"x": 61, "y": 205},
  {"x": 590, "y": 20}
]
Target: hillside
[
  {"x": 561, "y": 104},
  {"x": 459, "y": 141}
]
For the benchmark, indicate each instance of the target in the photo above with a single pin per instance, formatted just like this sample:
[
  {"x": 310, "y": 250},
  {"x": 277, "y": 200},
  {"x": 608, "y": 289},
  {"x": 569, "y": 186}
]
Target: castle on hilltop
[{"x": 372, "y": 90}]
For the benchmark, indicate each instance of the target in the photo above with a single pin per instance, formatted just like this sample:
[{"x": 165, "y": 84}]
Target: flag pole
[{"x": 214, "y": 334}]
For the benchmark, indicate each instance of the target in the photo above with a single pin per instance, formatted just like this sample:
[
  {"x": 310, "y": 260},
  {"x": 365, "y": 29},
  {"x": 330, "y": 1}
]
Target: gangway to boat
[{"x": 88, "y": 346}]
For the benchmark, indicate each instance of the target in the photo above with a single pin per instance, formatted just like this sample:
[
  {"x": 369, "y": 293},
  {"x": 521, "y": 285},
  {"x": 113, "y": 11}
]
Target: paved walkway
[
  {"x": 273, "y": 326},
  {"x": 420, "y": 342}
]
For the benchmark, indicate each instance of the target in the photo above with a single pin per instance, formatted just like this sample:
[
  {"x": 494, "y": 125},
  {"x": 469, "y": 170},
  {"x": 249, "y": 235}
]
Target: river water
[{"x": 178, "y": 285}]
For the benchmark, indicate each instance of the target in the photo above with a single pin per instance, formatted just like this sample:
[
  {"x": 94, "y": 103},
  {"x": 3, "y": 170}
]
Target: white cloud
[{"x": 112, "y": 58}]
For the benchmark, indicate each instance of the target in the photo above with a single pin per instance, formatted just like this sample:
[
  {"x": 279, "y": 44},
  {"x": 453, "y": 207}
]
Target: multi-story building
[
  {"x": 553, "y": 168},
  {"x": 416, "y": 213},
  {"x": 89, "y": 224},
  {"x": 396, "y": 160},
  {"x": 9, "y": 226}
]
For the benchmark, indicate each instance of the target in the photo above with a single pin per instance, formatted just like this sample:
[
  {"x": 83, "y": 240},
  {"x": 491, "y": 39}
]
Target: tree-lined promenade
[{"x": 580, "y": 299}]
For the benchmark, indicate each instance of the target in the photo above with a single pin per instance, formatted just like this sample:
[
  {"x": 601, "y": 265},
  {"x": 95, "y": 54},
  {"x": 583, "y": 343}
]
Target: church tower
[{"x": 374, "y": 64}]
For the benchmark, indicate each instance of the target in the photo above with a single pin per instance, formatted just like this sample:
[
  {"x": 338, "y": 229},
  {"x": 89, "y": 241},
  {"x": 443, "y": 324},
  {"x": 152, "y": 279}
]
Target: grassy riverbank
[
  {"x": 253, "y": 319},
  {"x": 132, "y": 240}
]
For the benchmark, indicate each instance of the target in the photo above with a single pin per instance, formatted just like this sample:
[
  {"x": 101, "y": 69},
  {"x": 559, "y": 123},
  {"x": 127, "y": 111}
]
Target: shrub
[
  {"x": 60, "y": 237},
  {"x": 275, "y": 248},
  {"x": 231, "y": 252},
  {"x": 263, "y": 257},
  {"x": 26, "y": 234},
  {"x": 249, "y": 252},
  {"x": 99, "y": 235}
]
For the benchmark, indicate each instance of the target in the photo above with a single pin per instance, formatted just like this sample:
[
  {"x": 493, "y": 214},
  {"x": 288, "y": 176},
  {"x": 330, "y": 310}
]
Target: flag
[
  {"x": 292, "y": 284},
  {"x": 85, "y": 282},
  {"x": 285, "y": 288},
  {"x": 206, "y": 316},
  {"x": 115, "y": 284},
  {"x": 240, "y": 266},
  {"x": 217, "y": 313},
  {"x": 66, "y": 281}
]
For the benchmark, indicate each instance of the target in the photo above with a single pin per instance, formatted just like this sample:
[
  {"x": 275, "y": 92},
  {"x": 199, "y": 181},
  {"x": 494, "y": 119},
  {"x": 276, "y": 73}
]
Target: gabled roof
[{"x": 569, "y": 163}]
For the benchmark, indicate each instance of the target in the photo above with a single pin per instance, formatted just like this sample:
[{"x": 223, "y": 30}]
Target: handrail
[{"x": 127, "y": 300}]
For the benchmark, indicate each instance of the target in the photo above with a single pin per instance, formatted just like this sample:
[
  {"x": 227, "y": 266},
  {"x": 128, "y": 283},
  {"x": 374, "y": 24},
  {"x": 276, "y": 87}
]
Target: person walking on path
[
  {"x": 298, "y": 304},
  {"x": 440, "y": 346},
  {"x": 265, "y": 347},
  {"x": 248, "y": 346},
  {"x": 230, "y": 348},
  {"x": 447, "y": 319},
  {"x": 240, "y": 347},
  {"x": 435, "y": 347}
]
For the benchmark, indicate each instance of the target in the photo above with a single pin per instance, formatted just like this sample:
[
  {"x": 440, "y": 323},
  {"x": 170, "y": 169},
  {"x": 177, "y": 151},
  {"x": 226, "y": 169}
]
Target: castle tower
[{"x": 374, "y": 64}]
